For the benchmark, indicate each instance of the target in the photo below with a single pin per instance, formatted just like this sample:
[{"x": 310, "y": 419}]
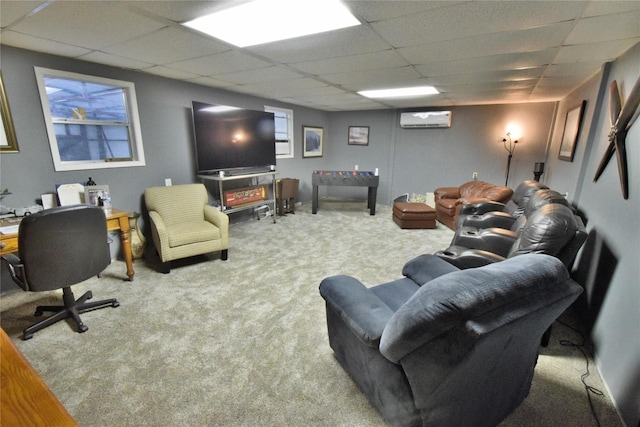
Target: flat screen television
[{"x": 234, "y": 141}]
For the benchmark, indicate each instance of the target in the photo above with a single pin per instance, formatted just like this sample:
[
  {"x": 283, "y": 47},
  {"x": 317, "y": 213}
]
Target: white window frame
[
  {"x": 133, "y": 124},
  {"x": 290, "y": 142}
]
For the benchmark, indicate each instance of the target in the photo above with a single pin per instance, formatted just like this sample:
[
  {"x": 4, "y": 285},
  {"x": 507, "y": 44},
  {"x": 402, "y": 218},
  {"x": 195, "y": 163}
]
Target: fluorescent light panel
[
  {"x": 400, "y": 92},
  {"x": 264, "y": 21}
]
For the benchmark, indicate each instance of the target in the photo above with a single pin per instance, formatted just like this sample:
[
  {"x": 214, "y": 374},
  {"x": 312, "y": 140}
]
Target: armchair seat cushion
[{"x": 186, "y": 233}]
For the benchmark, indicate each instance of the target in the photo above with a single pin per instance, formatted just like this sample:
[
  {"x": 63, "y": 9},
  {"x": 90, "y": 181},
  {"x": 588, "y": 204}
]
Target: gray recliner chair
[{"x": 447, "y": 347}]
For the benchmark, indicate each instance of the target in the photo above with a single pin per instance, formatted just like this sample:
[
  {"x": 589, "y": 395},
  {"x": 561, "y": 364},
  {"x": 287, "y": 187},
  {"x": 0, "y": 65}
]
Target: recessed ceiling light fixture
[
  {"x": 400, "y": 92},
  {"x": 264, "y": 21}
]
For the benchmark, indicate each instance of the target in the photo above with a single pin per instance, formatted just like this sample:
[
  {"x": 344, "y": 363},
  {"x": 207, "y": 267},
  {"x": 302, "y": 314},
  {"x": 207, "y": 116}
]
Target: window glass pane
[
  {"x": 282, "y": 128},
  {"x": 92, "y": 142},
  {"x": 74, "y": 99},
  {"x": 284, "y": 131}
]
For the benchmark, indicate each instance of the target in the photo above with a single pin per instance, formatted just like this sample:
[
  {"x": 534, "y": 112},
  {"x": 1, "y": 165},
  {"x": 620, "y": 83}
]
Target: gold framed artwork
[{"x": 8, "y": 140}]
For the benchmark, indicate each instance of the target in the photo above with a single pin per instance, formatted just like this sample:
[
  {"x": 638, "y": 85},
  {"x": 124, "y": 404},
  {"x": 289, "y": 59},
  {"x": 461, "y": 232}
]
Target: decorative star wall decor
[{"x": 622, "y": 119}]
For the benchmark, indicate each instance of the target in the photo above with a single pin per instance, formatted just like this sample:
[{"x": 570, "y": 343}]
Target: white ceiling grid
[{"x": 474, "y": 52}]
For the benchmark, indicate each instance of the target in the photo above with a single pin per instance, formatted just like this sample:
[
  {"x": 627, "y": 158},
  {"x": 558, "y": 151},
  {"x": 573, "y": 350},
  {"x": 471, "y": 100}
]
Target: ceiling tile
[
  {"x": 472, "y": 19},
  {"x": 474, "y": 51},
  {"x": 604, "y": 52},
  {"x": 209, "y": 81},
  {"x": 265, "y": 75},
  {"x": 382, "y": 59},
  {"x": 92, "y": 24},
  {"x": 347, "y": 41},
  {"x": 609, "y": 7},
  {"x": 25, "y": 41},
  {"x": 170, "y": 73},
  {"x": 177, "y": 45},
  {"x": 12, "y": 11},
  {"x": 582, "y": 70},
  {"x": 605, "y": 28},
  {"x": 221, "y": 63},
  {"x": 376, "y": 79},
  {"x": 489, "y": 63},
  {"x": 531, "y": 40},
  {"x": 114, "y": 60},
  {"x": 375, "y": 10}
]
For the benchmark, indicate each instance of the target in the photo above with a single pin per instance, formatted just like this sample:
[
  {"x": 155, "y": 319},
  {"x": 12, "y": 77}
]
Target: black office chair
[{"x": 57, "y": 248}]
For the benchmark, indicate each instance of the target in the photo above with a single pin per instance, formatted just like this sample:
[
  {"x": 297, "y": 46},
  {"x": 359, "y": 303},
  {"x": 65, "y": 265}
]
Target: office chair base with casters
[{"x": 71, "y": 308}]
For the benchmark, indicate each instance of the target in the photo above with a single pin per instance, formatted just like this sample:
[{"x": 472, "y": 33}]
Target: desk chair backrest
[{"x": 62, "y": 246}]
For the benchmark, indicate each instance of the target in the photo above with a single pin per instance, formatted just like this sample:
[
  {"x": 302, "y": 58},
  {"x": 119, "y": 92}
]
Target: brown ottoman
[{"x": 414, "y": 215}]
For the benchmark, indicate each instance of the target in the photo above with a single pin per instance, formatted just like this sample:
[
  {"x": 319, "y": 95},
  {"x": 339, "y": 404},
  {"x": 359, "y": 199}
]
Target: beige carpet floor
[{"x": 243, "y": 342}]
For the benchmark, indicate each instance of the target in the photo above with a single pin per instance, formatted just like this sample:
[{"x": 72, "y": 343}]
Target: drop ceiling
[{"x": 473, "y": 52}]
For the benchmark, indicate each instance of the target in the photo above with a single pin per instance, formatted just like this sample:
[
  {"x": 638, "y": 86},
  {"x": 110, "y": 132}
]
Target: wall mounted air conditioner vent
[{"x": 425, "y": 119}]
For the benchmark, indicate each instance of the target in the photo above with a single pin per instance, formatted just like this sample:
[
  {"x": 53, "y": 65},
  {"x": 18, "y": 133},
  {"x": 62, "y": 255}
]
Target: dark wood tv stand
[{"x": 221, "y": 180}]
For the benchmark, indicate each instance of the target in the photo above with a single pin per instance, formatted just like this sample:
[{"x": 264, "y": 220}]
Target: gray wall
[
  {"x": 608, "y": 266},
  {"x": 409, "y": 161}
]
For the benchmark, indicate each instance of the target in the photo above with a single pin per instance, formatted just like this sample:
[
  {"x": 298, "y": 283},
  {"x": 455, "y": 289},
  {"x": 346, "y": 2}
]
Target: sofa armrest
[
  {"x": 447, "y": 193},
  {"x": 464, "y": 258},
  {"x": 362, "y": 311}
]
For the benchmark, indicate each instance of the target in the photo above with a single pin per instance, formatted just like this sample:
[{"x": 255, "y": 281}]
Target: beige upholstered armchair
[{"x": 183, "y": 224}]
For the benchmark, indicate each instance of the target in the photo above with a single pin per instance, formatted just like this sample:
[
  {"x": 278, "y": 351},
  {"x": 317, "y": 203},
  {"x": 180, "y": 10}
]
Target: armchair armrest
[
  {"x": 425, "y": 268},
  {"x": 159, "y": 232},
  {"x": 362, "y": 311},
  {"x": 496, "y": 240},
  {"x": 219, "y": 219},
  {"x": 464, "y": 258}
]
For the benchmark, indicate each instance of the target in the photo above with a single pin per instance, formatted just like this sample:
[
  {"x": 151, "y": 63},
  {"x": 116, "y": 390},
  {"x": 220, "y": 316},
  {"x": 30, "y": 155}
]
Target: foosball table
[{"x": 346, "y": 178}]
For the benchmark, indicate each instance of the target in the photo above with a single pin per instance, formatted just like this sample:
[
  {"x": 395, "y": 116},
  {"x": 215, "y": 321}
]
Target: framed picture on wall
[
  {"x": 312, "y": 141},
  {"x": 358, "y": 135},
  {"x": 8, "y": 140},
  {"x": 571, "y": 132}
]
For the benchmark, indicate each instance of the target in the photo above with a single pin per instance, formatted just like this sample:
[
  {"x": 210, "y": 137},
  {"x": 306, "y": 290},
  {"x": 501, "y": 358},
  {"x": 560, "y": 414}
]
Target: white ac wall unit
[{"x": 425, "y": 119}]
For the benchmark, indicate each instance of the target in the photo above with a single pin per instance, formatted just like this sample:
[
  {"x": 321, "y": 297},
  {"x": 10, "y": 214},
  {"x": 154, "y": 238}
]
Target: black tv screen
[{"x": 233, "y": 141}]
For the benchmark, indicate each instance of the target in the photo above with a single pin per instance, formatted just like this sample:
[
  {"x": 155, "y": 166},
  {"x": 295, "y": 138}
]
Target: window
[
  {"x": 92, "y": 122},
  {"x": 284, "y": 131}
]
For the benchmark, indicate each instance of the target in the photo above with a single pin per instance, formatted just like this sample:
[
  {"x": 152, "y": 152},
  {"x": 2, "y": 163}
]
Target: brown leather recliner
[{"x": 449, "y": 200}]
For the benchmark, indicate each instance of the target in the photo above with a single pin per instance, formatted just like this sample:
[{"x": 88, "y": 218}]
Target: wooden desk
[
  {"x": 118, "y": 220},
  {"x": 25, "y": 399}
]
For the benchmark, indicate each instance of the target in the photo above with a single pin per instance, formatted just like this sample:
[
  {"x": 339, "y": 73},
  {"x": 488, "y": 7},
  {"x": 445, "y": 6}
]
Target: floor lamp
[{"x": 510, "y": 146}]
